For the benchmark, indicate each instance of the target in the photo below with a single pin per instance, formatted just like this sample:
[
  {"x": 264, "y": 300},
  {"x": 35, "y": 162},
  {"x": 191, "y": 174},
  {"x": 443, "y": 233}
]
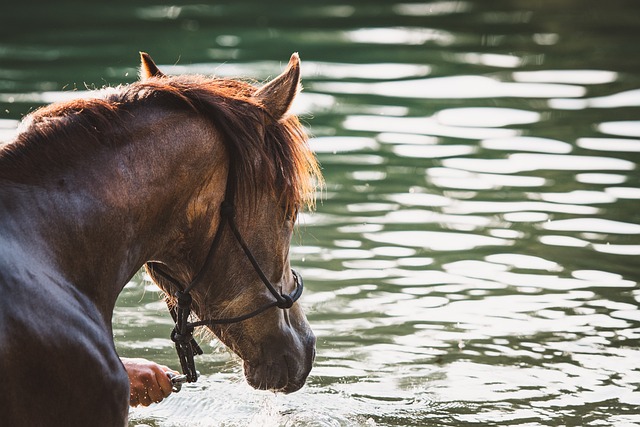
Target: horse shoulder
[{"x": 57, "y": 356}]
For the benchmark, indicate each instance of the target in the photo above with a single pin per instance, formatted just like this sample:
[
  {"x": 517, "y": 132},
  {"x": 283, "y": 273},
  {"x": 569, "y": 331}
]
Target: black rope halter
[{"x": 182, "y": 334}]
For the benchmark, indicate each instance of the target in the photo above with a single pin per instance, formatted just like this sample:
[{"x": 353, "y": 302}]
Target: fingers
[
  {"x": 144, "y": 390},
  {"x": 163, "y": 381},
  {"x": 153, "y": 389}
]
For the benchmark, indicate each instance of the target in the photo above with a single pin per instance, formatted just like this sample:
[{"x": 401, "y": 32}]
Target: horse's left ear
[
  {"x": 148, "y": 68},
  {"x": 277, "y": 95}
]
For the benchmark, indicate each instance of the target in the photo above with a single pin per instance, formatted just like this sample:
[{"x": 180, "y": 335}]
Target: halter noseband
[{"x": 182, "y": 334}]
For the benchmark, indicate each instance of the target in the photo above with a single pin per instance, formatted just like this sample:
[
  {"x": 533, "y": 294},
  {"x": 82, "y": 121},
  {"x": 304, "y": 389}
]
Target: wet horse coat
[{"x": 92, "y": 189}]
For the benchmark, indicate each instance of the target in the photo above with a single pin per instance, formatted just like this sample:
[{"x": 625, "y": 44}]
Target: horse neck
[{"x": 97, "y": 221}]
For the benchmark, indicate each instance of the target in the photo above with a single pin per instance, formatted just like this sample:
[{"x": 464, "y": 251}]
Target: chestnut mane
[{"x": 262, "y": 151}]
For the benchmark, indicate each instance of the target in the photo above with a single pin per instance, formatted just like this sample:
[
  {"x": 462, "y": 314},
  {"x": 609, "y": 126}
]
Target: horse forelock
[{"x": 264, "y": 153}]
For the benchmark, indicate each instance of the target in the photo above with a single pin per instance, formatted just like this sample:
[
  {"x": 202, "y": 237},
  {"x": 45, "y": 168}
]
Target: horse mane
[{"x": 262, "y": 150}]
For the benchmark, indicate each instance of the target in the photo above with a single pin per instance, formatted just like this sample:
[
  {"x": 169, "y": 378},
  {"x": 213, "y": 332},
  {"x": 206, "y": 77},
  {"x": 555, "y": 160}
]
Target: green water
[{"x": 474, "y": 258}]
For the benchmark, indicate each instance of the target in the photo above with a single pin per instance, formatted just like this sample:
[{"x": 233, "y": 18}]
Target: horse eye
[{"x": 292, "y": 213}]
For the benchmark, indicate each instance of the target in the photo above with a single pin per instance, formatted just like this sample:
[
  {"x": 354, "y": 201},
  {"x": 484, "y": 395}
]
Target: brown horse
[{"x": 93, "y": 189}]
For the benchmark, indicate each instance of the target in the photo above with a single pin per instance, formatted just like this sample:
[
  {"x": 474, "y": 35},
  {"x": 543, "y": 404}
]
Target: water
[{"x": 474, "y": 258}]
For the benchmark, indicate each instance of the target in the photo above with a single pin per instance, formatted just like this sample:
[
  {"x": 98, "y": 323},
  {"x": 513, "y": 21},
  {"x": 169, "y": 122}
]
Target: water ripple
[
  {"x": 454, "y": 87},
  {"x": 621, "y": 128},
  {"x": 436, "y": 240},
  {"x": 609, "y": 144},
  {"x": 523, "y": 162},
  {"x": 528, "y": 143},
  {"x": 423, "y": 125},
  {"x": 597, "y": 225},
  {"x": 485, "y": 117}
]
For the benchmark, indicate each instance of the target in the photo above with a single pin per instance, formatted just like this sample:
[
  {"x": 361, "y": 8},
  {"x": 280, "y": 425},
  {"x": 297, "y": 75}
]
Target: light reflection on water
[{"x": 474, "y": 258}]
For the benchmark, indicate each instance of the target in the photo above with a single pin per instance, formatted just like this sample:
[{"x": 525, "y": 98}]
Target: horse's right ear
[{"x": 148, "y": 68}]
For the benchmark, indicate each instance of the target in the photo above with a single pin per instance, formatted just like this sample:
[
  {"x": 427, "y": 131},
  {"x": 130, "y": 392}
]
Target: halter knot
[
  {"x": 179, "y": 338},
  {"x": 285, "y": 302},
  {"x": 184, "y": 299}
]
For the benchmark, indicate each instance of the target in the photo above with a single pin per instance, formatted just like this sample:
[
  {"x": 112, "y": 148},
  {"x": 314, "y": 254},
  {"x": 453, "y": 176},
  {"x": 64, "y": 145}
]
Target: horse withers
[{"x": 199, "y": 178}]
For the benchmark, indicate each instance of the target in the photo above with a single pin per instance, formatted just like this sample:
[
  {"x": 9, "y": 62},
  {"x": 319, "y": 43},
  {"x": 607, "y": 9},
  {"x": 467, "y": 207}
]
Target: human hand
[{"x": 148, "y": 381}]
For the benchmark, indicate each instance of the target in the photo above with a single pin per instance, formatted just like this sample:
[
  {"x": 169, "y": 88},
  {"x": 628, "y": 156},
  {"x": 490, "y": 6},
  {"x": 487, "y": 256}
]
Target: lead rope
[{"x": 182, "y": 334}]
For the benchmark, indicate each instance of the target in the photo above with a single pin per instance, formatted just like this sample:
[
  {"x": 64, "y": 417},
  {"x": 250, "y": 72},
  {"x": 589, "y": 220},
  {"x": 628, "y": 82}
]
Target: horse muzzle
[{"x": 284, "y": 372}]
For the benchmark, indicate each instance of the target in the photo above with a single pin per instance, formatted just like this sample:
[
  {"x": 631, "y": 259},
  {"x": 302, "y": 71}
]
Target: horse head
[{"x": 248, "y": 236}]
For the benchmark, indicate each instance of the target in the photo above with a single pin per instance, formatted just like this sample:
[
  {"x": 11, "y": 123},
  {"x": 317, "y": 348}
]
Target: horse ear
[
  {"x": 277, "y": 95},
  {"x": 148, "y": 68}
]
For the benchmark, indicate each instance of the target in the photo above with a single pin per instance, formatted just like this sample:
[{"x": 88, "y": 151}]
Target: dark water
[{"x": 474, "y": 259}]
